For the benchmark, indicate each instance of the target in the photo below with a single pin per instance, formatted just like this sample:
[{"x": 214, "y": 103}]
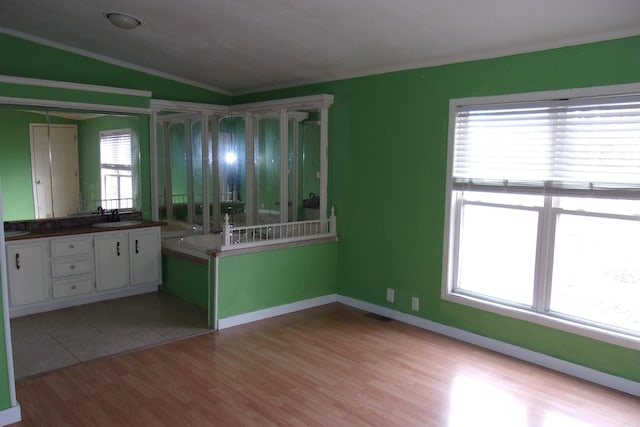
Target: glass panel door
[{"x": 268, "y": 170}]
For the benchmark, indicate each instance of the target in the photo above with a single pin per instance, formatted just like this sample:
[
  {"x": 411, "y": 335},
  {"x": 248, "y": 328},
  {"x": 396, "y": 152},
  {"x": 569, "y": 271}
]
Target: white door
[
  {"x": 54, "y": 169},
  {"x": 27, "y": 273},
  {"x": 145, "y": 256}
]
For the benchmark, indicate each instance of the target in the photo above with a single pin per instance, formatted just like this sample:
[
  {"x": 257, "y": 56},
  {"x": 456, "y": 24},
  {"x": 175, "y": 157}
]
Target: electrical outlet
[
  {"x": 415, "y": 303},
  {"x": 391, "y": 294}
]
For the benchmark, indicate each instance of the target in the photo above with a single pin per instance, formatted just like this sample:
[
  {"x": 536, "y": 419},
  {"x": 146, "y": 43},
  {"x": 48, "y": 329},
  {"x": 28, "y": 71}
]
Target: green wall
[
  {"x": 186, "y": 279},
  {"x": 33, "y": 60},
  {"x": 387, "y": 165},
  {"x": 271, "y": 278},
  {"x": 15, "y": 163}
]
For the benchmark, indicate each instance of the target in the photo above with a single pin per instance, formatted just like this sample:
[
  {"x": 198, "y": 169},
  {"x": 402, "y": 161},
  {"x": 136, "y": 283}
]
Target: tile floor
[{"x": 46, "y": 341}]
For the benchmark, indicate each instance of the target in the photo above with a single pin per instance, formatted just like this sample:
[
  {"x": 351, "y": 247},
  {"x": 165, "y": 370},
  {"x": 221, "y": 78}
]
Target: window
[
  {"x": 544, "y": 211},
  {"x": 116, "y": 185}
]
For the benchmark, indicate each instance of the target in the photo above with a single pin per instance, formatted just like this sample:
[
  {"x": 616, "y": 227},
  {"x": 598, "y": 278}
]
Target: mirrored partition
[
  {"x": 57, "y": 163},
  {"x": 262, "y": 163},
  {"x": 182, "y": 165}
]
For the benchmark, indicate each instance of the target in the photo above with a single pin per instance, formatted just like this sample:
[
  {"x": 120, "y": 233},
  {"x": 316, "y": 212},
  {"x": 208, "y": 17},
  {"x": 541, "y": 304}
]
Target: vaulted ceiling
[{"x": 240, "y": 46}]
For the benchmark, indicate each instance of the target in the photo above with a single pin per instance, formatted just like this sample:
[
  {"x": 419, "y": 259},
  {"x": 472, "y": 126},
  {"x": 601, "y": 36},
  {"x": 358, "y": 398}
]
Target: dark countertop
[{"x": 85, "y": 229}]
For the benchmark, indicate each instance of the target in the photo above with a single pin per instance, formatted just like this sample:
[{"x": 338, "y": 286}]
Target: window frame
[
  {"x": 546, "y": 230},
  {"x": 118, "y": 168}
]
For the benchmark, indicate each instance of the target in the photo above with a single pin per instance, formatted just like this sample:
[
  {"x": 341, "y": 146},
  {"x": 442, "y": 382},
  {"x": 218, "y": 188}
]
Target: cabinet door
[
  {"x": 145, "y": 256},
  {"x": 27, "y": 273},
  {"x": 112, "y": 260}
]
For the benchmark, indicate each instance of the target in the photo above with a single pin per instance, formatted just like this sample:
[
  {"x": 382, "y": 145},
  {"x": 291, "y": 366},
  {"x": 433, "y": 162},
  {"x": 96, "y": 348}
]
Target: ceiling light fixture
[{"x": 123, "y": 20}]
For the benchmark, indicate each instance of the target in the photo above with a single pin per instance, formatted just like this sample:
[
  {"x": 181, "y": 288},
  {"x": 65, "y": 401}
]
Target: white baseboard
[
  {"x": 579, "y": 371},
  {"x": 10, "y": 415},
  {"x": 253, "y": 316}
]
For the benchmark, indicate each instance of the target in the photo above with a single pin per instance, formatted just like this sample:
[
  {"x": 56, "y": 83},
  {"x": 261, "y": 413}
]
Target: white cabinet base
[{"x": 80, "y": 300}]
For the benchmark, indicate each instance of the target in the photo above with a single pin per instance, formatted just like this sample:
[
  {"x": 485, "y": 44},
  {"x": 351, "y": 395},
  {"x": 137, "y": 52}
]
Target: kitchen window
[{"x": 543, "y": 219}]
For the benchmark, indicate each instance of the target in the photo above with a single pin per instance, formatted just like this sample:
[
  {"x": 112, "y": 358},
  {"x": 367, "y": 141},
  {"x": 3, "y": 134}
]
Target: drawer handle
[
  {"x": 71, "y": 246},
  {"x": 17, "y": 261},
  {"x": 73, "y": 286},
  {"x": 72, "y": 267},
  {"x": 137, "y": 248},
  {"x": 118, "y": 248}
]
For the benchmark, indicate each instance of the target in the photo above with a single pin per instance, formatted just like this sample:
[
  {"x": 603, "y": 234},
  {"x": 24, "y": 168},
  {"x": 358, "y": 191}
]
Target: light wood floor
[{"x": 328, "y": 366}]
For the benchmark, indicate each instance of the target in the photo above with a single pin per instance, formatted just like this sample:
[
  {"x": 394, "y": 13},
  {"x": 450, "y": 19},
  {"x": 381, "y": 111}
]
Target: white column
[
  {"x": 284, "y": 166},
  {"x": 168, "y": 190},
  {"x": 295, "y": 169},
  {"x": 204, "y": 133},
  {"x": 153, "y": 152},
  {"x": 324, "y": 160}
]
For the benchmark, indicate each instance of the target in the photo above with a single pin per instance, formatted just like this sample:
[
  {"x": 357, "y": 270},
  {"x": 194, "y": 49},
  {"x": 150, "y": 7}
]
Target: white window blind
[
  {"x": 581, "y": 146},
  {"x": 115, "y": 148}
]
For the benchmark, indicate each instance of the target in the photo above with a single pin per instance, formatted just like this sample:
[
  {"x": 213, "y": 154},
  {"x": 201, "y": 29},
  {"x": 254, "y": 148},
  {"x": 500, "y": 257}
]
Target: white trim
[
  {"x": 216, "y": 287},
  {"x": 266, "y": 313},
  {"x": 74, "y": 86},
  {"x": 324, "y": 163},
  {"x": 540, "y": 359},
  {"x": 34, "y": 102},
  {"x": 83, "y": 299},
  {"x": 523, "y": 97},
  {"x": 112, "y": 61},
  {"x": 10, "y": 415},
  {"x": 319, "y": 101},
  {"x": 6, "y": 321},
  {"x": 300, "y": 102},
  {"x": 182, "y": 106}
]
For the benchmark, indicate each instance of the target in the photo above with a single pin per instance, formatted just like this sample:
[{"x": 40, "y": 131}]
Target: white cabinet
[
  {"x": 126, "y": 258},
  {"x": 112, "y": 260},
  {"x": 145, "y": 256},
  {"x": 27, "y": 272},
  {"x": 72, "y": 266},
  {"x": 50, "y": 273}
]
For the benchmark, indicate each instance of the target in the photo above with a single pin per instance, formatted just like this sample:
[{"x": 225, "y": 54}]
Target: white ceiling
[{"x": 240, "y": 46}]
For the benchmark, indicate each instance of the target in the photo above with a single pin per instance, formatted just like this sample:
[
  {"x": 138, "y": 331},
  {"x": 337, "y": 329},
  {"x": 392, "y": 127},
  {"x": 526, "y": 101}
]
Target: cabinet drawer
[
  {"x": 71, "y": 287},
  {"x": 71, "y": 266},
  {"x": 70, "y": 246}
]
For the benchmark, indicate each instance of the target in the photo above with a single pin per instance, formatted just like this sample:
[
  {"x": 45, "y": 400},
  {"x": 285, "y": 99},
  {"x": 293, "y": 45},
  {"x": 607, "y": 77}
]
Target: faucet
[
  {"x": 100, "y": 211},
  {"x": 115, "y": 216}
]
